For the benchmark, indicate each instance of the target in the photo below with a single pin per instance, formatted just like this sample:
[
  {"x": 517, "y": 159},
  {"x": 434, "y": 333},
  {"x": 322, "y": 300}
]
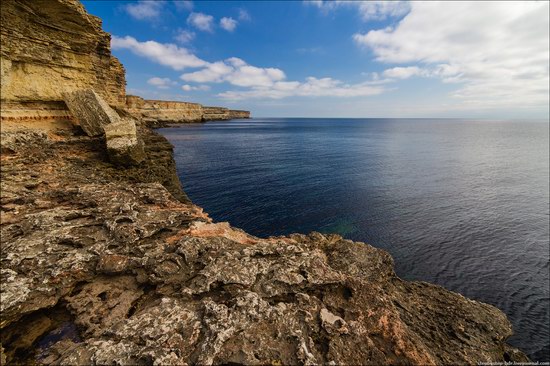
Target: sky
[{"x": 373, "y": 59}]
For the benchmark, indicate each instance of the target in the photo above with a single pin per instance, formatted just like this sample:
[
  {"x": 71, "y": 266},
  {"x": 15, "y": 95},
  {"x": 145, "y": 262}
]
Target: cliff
[
  {"x": 160, "y": 111},
  {"x": 49, "y": 48},
  {"x": 108, "y": 265}
]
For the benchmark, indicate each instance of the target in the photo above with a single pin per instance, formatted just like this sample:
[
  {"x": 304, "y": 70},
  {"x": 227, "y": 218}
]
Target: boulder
[
  {"x": 123, "y": 145},
  {"x": 91, "y": 111}
]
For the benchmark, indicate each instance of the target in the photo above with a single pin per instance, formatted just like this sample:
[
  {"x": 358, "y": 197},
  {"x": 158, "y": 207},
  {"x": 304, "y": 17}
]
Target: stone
[
  {"x": 91, "y": 111},
  {"x": 123, "y": 144}
]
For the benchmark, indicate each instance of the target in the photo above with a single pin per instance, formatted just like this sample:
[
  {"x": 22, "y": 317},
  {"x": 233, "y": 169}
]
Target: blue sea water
[{"x": 460, "y": 203}]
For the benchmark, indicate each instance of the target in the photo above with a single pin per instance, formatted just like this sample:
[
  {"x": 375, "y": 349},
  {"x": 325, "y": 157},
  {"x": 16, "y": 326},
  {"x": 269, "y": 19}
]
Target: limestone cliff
[
  {"x": 50, "y": 47},
  {"x": 161, "y": 111}
]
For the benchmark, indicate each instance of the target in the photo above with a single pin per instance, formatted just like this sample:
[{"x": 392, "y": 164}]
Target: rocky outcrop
[
  {"x": 159, "y": 112},
  {"x": 123, "y": 144},
  {"x": 238, "y": 114},
  {"x": 103, "y": 266},
  {"x": 90, "y": 111},
  {"x": 53, "y": 47},
  {"x": 153, "y": 111},
  {"x": 215, "y": 113}
]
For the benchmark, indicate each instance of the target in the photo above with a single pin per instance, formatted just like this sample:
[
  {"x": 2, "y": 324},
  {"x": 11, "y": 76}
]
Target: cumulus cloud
[
  {"x": 188, "y": 87},
  {"x": 161, "y": 83},
  {"x": 229, "y": 24},
  {"x": 311, "y": 87},
  {"x": 253, "y": 81},
  {"x": 201, "y": 21},
  {"x": 499, "y": 51},
  {"x": 143, "y": 10},
  {"x": 235, "y": 71},
  {"x": 368, "y": 10},
  {"x": 403, "y": 72},
  {"x": 166, "y": 54},
  {"x": 184, "y": 36}
]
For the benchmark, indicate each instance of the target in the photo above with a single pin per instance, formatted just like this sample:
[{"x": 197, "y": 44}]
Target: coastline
[
  {"x": 106, "y": 263},
  {"x": 121, "y": 258}
]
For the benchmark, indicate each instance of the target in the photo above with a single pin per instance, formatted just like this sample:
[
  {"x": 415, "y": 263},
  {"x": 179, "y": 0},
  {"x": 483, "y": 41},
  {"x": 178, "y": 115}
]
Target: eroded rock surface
[
  {"x": 144, "y": 278},
  {"x": 123, "y": 143},
  {"x": 91, "y": 112},
  {"x": 53, "y": 46}
]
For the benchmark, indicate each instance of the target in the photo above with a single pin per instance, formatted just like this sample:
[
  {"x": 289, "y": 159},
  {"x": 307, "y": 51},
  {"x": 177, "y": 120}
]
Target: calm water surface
[{"x": 460, "y": 203}]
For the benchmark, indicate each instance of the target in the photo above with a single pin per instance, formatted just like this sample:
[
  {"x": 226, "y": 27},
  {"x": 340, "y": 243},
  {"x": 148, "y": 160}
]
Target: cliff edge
[{"x": 107, "y": 265}]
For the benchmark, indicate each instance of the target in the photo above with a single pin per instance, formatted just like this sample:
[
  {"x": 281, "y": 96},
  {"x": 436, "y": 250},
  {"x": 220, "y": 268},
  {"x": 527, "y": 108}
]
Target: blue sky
[{"x": 337, "y": 58}]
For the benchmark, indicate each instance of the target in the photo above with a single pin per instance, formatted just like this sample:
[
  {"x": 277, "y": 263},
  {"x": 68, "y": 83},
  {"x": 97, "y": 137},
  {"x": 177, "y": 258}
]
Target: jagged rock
[
  {"x": 147, "y": 279},
  {"x": 123, "y": 144},
  {"x": 91, "y": 111}
]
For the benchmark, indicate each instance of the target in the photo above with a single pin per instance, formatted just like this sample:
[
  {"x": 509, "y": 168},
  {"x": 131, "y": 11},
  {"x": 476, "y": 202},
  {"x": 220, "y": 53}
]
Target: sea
[{"x": 459, "y": 203}]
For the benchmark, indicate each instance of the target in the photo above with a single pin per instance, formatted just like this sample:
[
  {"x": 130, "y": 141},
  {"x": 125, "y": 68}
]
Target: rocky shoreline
[
  {"x": 110, "y": 263},
  {"x": 111, "y": 268}
]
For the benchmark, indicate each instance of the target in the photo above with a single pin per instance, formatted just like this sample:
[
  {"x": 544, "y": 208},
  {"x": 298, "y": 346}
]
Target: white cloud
[
  {"x": 184, "y": 36},
  {"x": 183, "y": 5},
  {"x": 235, "y": 71},
  {"x": 167, "y": 54},
  {"x": 402, "y": 72},
  {"x": 244, "y": 15},
  {"x": 229, "y": 24},
  {"x": 161, "y": 83},
  {"x": 143, "y": 10},
  {"x": 368, "y": 10},
  {"x": 499, "y": 51},
  {"x": 188, "y": 87},
  {"x": 201, "y": 21},
  {"x": 312, "y": 87},
  {"x": 379, "y": 10},
  {"x": 258, "y": 82}
]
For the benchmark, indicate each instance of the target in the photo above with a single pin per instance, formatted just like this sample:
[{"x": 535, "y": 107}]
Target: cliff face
[
  {"x": 50, "y": 47},
  {"x": 153, "y": 111},
  {"x": 163, "y": 111}
]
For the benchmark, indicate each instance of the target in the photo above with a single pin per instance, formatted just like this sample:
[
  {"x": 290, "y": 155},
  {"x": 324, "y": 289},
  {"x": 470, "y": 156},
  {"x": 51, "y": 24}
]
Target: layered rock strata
[
  {"x": 52, "y": 47},
  {"x": 104, "y": 266},
  {"x": 49, "y": 48},
  {"x": 154, "y": 112}
]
